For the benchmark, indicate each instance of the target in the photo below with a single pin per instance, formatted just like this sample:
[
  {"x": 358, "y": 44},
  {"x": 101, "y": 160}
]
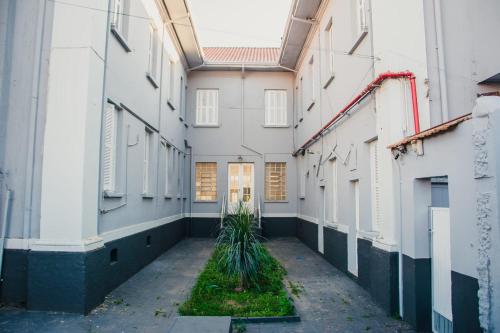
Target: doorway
[{"x": 240, "y": 185}]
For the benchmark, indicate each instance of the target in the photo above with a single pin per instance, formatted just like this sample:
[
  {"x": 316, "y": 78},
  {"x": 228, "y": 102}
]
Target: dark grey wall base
[
  {"x": 279, "y": 227},
  {"x": 13, "y": 283},
  {"x": 79, "y": 281},
  {"x": 307, "y": 232},
  {"x": 417, "y": 293},
  {"x": 203, "y": 227},
  {"x": 378, "y": 273},
  {"x": 465, "y": 304},
  {"x": 335, "y": 248}
]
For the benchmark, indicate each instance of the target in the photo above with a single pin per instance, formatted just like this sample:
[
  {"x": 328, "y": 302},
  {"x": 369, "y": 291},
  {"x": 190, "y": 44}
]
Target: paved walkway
[{"x": 329, "y": 302}]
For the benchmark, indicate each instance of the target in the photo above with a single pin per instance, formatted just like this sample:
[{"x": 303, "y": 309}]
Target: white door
[
  {"x": 353, "y": 265},
  {"x": 441, "y": 270},
  {"x": 240, "y": 185}
]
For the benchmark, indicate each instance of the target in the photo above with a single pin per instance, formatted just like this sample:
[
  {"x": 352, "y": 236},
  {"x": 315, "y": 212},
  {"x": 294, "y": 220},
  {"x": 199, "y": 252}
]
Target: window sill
[
  {"x": 302, "y": 197},
  {"x": 179, "y": 197},
  {"x": 205, "y": 201},
  {"x": 327, "y": 83},
  {"x": 168, "y": 196},
  {"x": 358, "y": 41},
  {"x": 170, "y": 104},
  {"x": 275, "y": 201},
  {"x": 311, "y": 105},
  {"x": 276, "y": 126},
  {"x": 113, "y": 195},
  {"x": 119, "y": 37},
  {"x": 207, "y": 126},
  {"x": 152, "y": 80},
  {"x": 181, "y": 119},
  {"x": 368, "y": 235},
  {"x": 147, "y": 196}
]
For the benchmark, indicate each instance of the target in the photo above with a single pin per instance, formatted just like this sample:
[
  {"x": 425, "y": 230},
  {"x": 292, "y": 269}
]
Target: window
[
  {"x": 302, "y": 181},
  {"x": 148, "y": 141},
  {"x": 168, "y": 150},
  {"x": 276, "y": 181},
  {"x": 375, "y": 185},
  {"x": 312, "y": 77},
  {"x": 275, "y": 108},
  {"x": 152, "y": 51},
  {"x": 301, "y": 100},
  {"x": 119, "y": 19},
  {"x": 171, "y": 86},
  {"x": 206, "y": 181},
  {"x": 335, "y": 192},
  {"x": 361, "y": 15},
  {"x": 329, "y": 47},
  {"x": 179, "y": 174},
  {"x": 207, "y": 105},
  {"x": 110, "y": 148},
  {"x": 181, "y": 99}
]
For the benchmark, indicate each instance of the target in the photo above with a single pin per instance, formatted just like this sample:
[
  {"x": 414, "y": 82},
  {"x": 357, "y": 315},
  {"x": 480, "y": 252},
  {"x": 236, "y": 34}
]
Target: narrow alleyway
[{"x": 326, "y": 299}]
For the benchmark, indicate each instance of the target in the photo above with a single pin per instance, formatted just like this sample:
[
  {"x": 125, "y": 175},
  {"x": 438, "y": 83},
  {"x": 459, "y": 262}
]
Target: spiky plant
[{"x": 241, "y": 253}]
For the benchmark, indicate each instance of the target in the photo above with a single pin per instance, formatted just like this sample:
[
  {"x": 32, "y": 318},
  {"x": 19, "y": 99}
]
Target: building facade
[{"x": 370, "y": 134}]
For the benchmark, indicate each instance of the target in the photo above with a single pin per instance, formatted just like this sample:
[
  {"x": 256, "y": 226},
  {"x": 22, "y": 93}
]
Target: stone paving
[{"x": 327, "y": 300}]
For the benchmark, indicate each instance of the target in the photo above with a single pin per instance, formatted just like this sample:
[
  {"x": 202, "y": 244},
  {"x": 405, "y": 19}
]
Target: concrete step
[{"x": 201, "y": 324}]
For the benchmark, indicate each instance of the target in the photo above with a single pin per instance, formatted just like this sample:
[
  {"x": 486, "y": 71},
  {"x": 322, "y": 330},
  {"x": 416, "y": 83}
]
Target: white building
[{"x": 356, "y": 136}]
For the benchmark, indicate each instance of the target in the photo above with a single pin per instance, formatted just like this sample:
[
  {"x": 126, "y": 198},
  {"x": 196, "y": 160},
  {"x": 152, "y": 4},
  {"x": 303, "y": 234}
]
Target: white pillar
[
  {"x": 486, "y": 145},
  {"x": 70, "y": 175}
]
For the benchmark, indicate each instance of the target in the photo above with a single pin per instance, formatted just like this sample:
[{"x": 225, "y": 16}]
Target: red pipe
[{"x": 369, "y": 88}]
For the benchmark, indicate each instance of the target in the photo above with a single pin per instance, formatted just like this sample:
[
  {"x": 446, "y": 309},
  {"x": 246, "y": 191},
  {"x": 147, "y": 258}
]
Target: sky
[{"x": 258, "y": 23}]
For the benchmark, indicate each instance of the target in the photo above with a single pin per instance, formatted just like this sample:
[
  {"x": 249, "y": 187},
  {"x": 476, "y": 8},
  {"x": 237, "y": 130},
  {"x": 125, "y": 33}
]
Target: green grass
[{"x": 214, "y": 293}]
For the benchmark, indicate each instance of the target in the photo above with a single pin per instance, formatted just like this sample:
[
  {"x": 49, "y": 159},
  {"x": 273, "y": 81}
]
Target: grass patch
[{"x": 214, "y": 293}]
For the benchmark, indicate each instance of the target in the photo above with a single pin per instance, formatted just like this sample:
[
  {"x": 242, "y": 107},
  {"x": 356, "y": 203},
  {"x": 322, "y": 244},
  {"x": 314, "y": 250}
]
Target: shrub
[{"x": 240, "y": 253}]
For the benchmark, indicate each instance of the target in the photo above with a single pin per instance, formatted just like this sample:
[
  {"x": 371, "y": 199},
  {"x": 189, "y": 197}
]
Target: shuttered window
[
  {"x": 206, "y": 181},
  {"x": 329, "y": 45},
  {"x": 276, "y": 181},
  {"x": 335, "y": 192},
  {"x": 375, "y": 185},
  {"x": 147, "y": 161},
  {"x": 168, "y": 150},
  {"x": 275, "y": 108},
  {"x": 179, "y": 174},
  {"x": 152, "y": 51},
  {"x": 207, "y": 106},
  {"x": 110, "y": 148}
]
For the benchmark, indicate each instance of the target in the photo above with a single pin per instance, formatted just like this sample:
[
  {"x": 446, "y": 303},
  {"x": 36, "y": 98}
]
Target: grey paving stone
[{"x": 200, "y": 324}]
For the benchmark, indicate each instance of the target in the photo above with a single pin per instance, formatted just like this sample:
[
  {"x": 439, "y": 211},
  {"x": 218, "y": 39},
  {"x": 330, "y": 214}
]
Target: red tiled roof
[{"x": 241, "y": 55}]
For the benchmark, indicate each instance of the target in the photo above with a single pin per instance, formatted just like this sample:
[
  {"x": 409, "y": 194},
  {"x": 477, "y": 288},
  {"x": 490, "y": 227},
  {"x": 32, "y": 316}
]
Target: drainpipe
[
  {"x": 100, "y": 193},
  {"x": 242, "y": 122},
  {"x": 443, "y": 86}
]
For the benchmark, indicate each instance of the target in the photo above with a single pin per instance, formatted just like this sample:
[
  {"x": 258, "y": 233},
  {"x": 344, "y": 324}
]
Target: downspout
[
  {"x": 100, "y": 193},
  {"x": 443, "y": 86},
  {"x": 242, "y": 122}
]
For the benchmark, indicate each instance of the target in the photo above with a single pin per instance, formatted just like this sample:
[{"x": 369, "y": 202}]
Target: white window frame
[
  {"x": 312, "y": 77},
  {"x": 168, "y": 149},
  {"x": 110, "y": 148},
  {"x": 207, "y": 115},
  {"x": 330, "y": 51},
  {"x": 179, "y": 174},
  {"x": 118, "y": 11},
  {"x": 182, "y": 106},
  {"x": 275, "y": 101},
  {"x": 197, "y": 198},
  {"x": 335, "y": 192},
  {"x": 152, "y": 51},
  {"x": 171, "y": 85},
  {"x": 302, "y": 182},
  {"x": 267, "y": 183},
  {"x": 362, "y": 24},
  {"x": 146, "y": 171},
  {"x": 375, "y": 185}
]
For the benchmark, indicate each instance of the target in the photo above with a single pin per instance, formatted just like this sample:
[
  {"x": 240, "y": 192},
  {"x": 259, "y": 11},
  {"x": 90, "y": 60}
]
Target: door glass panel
[
  {"x": 234, "y": 182},
  {"x": 247, "y": 182}
]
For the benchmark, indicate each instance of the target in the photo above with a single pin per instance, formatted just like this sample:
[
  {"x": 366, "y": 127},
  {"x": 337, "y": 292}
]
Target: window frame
[
  {"x": 171, "y": 84},
  {"x": 198, "y": 193},
  {"x": 199, "y": 108},
  {"x": 152, "y": 64},
  {"x": 312, "y": 76},
  {"x": 120, "y": 21},
  {"x": 111, "y": 188},
  {"x": 267, "y": 181},
  {"x": 167, "y": 186},
  {"x": 147, "y": 163},
  {"x": 335, "y": 192},
  {"x": 328, "y": 36},
  {"x": 283, "y": 114}
]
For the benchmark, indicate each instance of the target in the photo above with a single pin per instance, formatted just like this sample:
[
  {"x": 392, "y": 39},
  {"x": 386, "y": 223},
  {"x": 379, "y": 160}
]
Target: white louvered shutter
[
  {"x": 275, "y": 110},
  {"x": 109, "y": 155},
  {"x": 207, "y": 106}
]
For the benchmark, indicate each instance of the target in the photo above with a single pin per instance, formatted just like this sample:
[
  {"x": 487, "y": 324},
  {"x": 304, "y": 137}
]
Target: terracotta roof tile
[{"x": 241, "y": 55}]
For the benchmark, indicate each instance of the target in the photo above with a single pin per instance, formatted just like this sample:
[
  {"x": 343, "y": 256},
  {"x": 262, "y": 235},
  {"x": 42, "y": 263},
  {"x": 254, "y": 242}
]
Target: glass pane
[{"x": 234, "y": 182}]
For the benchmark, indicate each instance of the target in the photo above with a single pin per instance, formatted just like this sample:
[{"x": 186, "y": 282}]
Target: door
[
  {"x": 240, "y": 185},
  {"x": 353, "y": 264},
  {"x": 441, "y": 270}
]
